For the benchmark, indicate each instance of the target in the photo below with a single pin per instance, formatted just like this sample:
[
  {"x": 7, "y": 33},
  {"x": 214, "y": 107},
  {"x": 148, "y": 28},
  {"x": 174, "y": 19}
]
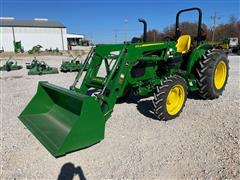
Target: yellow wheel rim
[
  {"x": 220, "y": 75},
  {"x": 175, "y": 99}
]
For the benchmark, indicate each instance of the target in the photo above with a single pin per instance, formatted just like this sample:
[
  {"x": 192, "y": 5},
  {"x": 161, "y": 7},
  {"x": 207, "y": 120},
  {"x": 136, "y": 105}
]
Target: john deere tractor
[{"x": 65, "y": 120}]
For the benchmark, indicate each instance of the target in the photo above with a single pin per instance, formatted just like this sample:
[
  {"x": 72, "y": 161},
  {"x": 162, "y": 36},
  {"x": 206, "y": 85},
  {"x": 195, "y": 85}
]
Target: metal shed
[{"x": 47, "y": 33}]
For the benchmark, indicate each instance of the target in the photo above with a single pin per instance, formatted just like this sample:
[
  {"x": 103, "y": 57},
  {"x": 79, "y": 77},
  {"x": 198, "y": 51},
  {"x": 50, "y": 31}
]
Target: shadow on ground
[
  {"x": 144, "y": 106},
  {"x": 194, "y": 95},
  {"x": 68, "y": 171}
]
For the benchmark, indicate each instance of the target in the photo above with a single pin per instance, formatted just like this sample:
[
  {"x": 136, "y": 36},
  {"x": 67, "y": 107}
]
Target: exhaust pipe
[{"x": 144, "y": 29}]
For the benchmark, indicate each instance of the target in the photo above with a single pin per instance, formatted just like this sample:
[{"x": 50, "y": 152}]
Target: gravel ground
[{"x": 203, "y": 142}]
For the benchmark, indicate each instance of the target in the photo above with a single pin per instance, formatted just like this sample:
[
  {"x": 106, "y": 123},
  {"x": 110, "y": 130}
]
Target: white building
[
  {"x": 48, "y": 34},
  {"x": 76, "y": 41}
]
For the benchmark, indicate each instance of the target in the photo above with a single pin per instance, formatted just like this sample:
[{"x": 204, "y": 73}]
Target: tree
[{"x": 222, "y": 31}]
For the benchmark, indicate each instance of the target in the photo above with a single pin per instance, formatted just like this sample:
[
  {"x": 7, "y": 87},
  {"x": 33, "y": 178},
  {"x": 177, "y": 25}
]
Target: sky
[{"x": 110, "y": 21}]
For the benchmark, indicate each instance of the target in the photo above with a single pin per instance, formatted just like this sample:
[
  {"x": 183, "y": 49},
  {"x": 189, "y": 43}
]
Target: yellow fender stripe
[{"x": 146, "y": 45}]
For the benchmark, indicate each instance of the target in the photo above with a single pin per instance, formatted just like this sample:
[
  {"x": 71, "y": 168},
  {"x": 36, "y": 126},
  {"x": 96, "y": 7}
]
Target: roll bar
[{"x": 177, "y": 31}]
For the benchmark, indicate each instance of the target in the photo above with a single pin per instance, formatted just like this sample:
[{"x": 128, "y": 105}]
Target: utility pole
[
  {"x": 126, "y": 29},
  {"x": 115, "y": 35},
  {"x": 214, "y": 20}
]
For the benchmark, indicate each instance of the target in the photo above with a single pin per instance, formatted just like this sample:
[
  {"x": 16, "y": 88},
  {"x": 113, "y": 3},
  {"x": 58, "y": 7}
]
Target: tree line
[{"x": 220, "y": 32}]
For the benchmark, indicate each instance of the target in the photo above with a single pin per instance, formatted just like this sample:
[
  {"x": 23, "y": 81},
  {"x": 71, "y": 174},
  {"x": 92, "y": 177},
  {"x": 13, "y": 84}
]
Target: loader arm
[{"x": 113, "y": 84}]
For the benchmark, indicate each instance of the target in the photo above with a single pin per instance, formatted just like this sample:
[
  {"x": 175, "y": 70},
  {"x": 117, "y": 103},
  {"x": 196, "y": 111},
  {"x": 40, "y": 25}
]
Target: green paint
[
  {"x": 72, "y": 65},
  {"x": 10, "y": 65},
  {"x": 40, "y": 67},
  {"x": 66, "y": 120}
]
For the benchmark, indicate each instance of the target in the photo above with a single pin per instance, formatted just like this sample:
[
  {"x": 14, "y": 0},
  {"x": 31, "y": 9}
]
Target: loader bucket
[{"x": 63, "y": 120}]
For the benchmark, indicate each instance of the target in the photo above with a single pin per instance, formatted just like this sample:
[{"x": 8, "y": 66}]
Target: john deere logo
[{"x": 98, "y": 80}]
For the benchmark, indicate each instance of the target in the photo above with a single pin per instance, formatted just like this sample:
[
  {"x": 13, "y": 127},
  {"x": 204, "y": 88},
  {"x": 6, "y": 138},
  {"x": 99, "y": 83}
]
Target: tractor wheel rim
[
  {"x": 220, "y": 75},
  {"x": 175, "y": 99}
]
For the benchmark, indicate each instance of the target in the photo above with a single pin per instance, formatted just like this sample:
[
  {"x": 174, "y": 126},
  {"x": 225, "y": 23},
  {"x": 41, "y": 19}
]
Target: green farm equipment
[
  {"x": 40, "y": 68},
  {"x": 35, "y": 49},
  {"x": 32, "y": 64},
  {"x": 67, "y": 120},
  {"x": 10, "y": 65},
  {"x": 18, "y": 47},
  {"x": 56, "y": 51},
  {"x": 73, "y": 65}
]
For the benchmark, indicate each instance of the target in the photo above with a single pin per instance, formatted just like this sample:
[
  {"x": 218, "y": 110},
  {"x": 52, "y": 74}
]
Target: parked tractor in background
[
  {"x": 234, "y": 45},
  {"x": 223, "y": 44},
  {"x": 75, "y": 64},
  {"x": 10, "y": 65},
  {"x": 64, "y": 120}
]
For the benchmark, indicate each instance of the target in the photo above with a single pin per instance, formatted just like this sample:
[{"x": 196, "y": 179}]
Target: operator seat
[{"x": 183, "y": 43}]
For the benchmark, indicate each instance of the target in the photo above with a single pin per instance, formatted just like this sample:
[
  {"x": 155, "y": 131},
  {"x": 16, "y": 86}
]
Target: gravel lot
[{"x": 203, "y": 142}]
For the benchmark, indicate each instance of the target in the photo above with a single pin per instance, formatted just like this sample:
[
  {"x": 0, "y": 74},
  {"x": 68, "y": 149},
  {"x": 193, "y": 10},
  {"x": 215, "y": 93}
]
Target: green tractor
[
  {"x": 65, "y": 120},
  {"x": 40, "y": 68},
  {"x": 73, "y": 65},
  {"x": 10, "y": 65}
]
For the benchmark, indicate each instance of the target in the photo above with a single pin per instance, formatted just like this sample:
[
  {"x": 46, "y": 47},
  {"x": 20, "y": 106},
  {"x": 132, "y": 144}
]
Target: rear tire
[
  {"x": 212, "y": 74},
  {"x": 169, "y": 98}
]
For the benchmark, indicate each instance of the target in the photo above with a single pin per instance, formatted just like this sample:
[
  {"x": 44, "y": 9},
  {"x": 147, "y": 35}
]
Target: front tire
[
  {"x": 212, "y": 74},
  {"x": 169, "y": 98}
]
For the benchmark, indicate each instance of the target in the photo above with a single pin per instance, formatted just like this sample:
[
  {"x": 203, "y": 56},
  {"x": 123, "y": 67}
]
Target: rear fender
[{"x": 196, "y": 55}]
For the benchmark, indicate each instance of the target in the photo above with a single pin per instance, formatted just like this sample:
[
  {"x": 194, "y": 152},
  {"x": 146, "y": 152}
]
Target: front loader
[{"x": 65, "y": 120}]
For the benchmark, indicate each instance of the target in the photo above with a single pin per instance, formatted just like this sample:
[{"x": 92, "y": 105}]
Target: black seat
[{"x": 138, "y": 69}]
